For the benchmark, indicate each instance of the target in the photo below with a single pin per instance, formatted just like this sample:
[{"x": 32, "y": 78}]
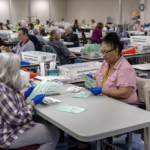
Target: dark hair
[
  {"x": 7, "y": 21},
  {"x": 24, "y": 31},
  {"x": 38, "y": 21},
  {"x": 99, "y": 26},
  {"x": 31, "y": 25},
  {"x": 76, "y": 23},
  {"x": 93, "y": 20},
  {"x": 113, "y": 40},
  {"x": 121, "y": 27},
  {"x": 1, "y": 24}
]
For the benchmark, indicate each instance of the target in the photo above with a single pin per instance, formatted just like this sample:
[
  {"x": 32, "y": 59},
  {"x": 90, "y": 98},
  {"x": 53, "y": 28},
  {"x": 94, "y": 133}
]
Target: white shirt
[{"x": 93, "y": 26}]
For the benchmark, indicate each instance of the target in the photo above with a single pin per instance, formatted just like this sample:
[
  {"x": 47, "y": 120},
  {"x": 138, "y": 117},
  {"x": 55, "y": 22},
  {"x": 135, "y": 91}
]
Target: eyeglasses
[{"x": 105, "y": 53}]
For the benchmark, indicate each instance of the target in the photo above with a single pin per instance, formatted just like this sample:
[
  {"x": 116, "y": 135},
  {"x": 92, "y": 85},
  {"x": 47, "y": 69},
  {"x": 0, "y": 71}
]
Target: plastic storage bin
[
  {"x": 36, "y": 57},
  {"x": 75, "y": 71}
]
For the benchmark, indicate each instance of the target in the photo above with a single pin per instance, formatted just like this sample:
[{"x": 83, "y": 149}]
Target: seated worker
[
  {"x": 30, "y": 28},
  {"x": 115, "y": 78},
  {"x": 36, "y": 32},
  {"x": 62, "y": 51},
  {"x": 1, "y": 26},
  {"x": 76, "y": 25},
  {"x": 48, "y": 28},
  {"x": 121, "y": 31},
  {"x": 97, "y": 34},
  {"x": 18, "y": 128},
  {"x": 68, "y": 36},
  {"x": 7, "y": 25},
  {"x": 138, "y": 26},
  {"x": 62, "y": 20},
  {"x": 93, "y": 24},
  {"x": 23, "y": 46}
]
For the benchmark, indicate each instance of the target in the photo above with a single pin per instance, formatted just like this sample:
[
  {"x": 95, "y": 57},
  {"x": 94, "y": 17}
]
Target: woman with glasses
[{"x": 116, "y": 77}]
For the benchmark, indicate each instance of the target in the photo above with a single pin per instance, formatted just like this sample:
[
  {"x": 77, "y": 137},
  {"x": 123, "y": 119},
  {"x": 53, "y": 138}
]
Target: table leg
[
  {"x": 98, "y": 144},
  {"x": 130, "y": 141}
]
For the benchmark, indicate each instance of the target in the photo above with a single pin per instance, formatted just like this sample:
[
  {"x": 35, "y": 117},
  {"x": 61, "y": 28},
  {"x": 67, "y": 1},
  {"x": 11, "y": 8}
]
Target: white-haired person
[
  {"x": 62, "y": 51},
  {"x": 17, "y": 128},
  {"x": 36, "y": 32},
  {"x": 68, "y": 36}
]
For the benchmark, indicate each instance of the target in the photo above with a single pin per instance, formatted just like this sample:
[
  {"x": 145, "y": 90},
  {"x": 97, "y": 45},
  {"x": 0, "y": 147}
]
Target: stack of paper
[
  {"x": 89, "y": 82},
  {"x": 50, "y": 100},
  {"x": 71, "y": 109},
  {"x": 63, "y": 79}
]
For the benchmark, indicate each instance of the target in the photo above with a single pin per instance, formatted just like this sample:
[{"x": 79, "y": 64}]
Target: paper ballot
[
  {"x": 89, "y": 82},
  {"x": 71, "y": 109},
  {"x": 39, "y": 89}
]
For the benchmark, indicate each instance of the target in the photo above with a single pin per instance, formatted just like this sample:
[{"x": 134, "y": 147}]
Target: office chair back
[
  {"x": 50, "y": 49},
  {"x": 36, "y": 42},
  {"x": 76, "y": 40},
  {"x": 84, "y": 38},
  {"x": 1, "y": 42}
]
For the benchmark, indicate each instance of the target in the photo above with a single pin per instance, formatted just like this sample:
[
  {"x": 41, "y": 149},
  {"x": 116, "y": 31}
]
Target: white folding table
[{"x": 104, "y": 117}]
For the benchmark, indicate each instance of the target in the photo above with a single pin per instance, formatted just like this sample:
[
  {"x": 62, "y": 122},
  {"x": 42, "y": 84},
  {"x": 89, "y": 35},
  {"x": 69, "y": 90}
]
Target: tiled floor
[{"x": 137, "y": 143}]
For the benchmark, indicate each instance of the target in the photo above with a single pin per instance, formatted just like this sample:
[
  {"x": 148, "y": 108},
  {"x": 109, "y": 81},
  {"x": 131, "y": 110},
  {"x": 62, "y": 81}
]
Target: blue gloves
[
  {"x": 22, "y": 62},
  {"x": 96, "y": 90},
  {"x": 38, "y": 99},
  {"x": 28, "y": 91},
  {"x": 89, "y": 75}
]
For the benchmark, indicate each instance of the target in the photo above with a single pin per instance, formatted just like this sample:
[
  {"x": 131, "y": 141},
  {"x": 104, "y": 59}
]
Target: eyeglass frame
[{"x": 105, "y": 53}]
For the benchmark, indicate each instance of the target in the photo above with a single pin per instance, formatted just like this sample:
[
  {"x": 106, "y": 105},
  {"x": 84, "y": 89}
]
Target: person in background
[
  {"x": 30, "y": 27},
  {"x": 62, "y": 51},
  {"x": 1, "y": 26},
  {"x": 68, "y": 36},
  {"x": 115, "y": 78},
  {"x": 24, "y": 45},
  {"x": 18, "y": 128},
  {"x": 7, "y": 25},
  {"x": 76, "y": 25},
  {"x": 36, "y": 32},
  {"x": 97, "y": 34},
  {"x": 138, "y": 26},
  {"x": 48, "y": 28},
  {"x": 93, "y": 24},
  {"x": 37, "y": 22},
  {"x": 62, "y": 20},
  {"x": 122, "y": 33}
]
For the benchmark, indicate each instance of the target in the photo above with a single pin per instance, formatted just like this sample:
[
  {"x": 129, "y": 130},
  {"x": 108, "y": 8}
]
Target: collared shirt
[
  {"x": 29, "y": 46},
  {"x": 122, "y": 75},
  {"x": 15, "y": 116}
]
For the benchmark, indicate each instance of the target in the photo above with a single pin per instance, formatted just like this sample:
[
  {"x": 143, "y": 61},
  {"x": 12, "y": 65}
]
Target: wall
[
  {"x": 4, "y": 10},
  {"x": 100, "y": 10},
  {"x": 41, "y": 7}
]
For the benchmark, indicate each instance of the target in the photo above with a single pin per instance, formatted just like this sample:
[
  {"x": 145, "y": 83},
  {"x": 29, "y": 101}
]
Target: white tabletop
[
  {"x": 142, "y": 66},
  {"x": 104, "y": 117}
]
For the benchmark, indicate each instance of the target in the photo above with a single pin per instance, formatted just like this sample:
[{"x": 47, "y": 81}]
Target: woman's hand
[
  {"x": 96, "y": 90},
  {"x": 28, "y": 91}
]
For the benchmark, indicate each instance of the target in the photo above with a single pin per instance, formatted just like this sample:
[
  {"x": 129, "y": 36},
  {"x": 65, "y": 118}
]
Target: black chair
[
  {"x": 36, "y": 42},
  {"x": 84, "y": 38},
  {"x": 1, "y": 42}
]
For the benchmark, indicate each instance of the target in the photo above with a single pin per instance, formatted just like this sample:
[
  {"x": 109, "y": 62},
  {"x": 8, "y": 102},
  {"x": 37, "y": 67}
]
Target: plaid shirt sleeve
[{"x": 9, "y": 109}]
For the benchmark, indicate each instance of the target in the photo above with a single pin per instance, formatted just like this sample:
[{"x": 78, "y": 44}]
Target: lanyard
[
  {"x": 105, "y": 76},
  {"x": 23, "y": 45}
]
